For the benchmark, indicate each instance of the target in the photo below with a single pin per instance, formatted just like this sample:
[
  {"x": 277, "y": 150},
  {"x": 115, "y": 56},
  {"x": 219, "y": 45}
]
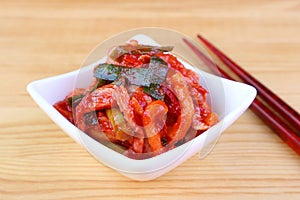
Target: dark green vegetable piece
[
  {"x": 164, "y": 141},
  {"x": 155, "y": 91},
  {"x": 138, "y": 76},
  {"x": 156, "y": 72},
  {"x": 90, "y": 118},
  {"x": 75, "y": 100},
  {"x": 107, "y": 71}
]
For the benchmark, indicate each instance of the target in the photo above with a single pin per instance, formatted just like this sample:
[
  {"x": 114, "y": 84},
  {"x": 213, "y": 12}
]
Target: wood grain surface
[{"x": 39, "y": 39}]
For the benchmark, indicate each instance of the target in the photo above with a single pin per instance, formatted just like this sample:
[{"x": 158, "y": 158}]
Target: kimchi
[{"x": 142, "y": 99}]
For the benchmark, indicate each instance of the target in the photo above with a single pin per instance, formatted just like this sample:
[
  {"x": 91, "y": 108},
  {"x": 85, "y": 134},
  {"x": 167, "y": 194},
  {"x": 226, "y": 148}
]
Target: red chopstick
[
  {"x": 288, "y": 113},
  {"x": 281, "y": 127}
]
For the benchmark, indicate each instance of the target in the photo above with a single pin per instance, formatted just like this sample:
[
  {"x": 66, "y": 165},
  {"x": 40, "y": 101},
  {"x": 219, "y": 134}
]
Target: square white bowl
[{"x": 227, "y": 98}]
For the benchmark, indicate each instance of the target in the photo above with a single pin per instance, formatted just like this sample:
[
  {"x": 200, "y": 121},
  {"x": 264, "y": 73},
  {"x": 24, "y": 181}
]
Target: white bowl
[{"x": 227, "y": 98}]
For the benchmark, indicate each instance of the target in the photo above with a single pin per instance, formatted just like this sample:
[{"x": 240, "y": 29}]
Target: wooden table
[{"x": 41, "y": 39}]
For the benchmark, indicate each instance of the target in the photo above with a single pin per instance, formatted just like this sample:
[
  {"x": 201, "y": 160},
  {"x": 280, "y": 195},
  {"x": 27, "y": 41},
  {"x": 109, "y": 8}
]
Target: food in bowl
[
  {"x": 227, "y": 98},
  {"x": 142, "y": 99}
]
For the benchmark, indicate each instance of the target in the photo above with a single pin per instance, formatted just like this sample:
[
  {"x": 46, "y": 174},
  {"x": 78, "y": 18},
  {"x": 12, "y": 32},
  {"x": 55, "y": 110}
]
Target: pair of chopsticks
[{"x": 277, "y": 114}]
